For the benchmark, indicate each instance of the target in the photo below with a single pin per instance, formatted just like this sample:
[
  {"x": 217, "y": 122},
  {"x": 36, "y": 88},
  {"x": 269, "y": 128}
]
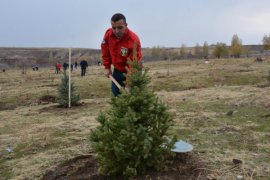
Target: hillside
[
  {"x": 13, "y": 57},
  {"x": 17, "y": 57}
]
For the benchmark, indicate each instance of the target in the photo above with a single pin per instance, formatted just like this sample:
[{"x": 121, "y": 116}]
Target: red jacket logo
[{"x": 124, "y": 51}]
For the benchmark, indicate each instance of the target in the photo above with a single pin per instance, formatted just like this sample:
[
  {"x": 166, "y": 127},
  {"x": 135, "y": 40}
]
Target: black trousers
[
  {"x": 83, "y": 71},
  {"x": 120, "y": 78}
]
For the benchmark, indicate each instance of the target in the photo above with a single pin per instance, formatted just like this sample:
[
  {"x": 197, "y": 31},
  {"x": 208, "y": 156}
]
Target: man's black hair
[{"x": 117, "y": 17}]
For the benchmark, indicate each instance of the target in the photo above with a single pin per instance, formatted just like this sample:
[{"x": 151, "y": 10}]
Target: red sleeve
[{"x": 105, "y": 52}]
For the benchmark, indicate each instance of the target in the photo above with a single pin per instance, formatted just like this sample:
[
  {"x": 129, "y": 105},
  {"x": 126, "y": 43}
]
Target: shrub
[
  {"x": 63, "y": 99},
  {"x": 133, "y": 132}
]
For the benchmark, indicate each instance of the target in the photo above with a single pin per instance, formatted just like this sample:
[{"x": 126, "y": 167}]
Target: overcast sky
[{"x": 169, "y": 23}]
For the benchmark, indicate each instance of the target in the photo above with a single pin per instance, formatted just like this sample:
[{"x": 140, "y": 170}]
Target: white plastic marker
[{"x": 182, "y": 147}]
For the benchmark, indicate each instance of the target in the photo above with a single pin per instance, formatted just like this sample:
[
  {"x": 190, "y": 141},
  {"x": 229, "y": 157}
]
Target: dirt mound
[
  {"x": 47, "y": 99},
  {"x": 183, "y": 166}
]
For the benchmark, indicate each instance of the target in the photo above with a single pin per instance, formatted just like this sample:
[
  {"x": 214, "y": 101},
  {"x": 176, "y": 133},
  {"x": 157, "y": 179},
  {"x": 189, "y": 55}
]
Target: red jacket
[
  {"x": 58, "y": 66},
  {"x": 117, "y": 51}
]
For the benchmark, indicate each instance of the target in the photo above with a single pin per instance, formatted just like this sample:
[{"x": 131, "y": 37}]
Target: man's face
[{"x": 119, "y": 28}]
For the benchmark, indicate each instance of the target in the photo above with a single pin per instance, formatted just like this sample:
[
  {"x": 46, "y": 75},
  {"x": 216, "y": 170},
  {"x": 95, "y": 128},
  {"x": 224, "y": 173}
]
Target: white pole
[{"x": 69, "y": 79}]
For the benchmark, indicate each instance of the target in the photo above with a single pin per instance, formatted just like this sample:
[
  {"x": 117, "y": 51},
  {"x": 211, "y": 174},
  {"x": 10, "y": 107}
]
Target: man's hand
[{"x": 107, "y": 72}]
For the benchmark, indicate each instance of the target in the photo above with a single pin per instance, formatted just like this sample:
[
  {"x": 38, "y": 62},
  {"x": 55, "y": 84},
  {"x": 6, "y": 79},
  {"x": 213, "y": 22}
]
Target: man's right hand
[{"x": 107, "y": 72}]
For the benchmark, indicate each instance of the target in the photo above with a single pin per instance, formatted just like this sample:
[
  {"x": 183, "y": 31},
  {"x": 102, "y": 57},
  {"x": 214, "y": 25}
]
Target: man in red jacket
[{"x": 117, "y": 47}]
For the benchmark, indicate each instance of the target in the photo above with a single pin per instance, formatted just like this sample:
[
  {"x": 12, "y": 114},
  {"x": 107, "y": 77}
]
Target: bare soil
[
  {"x": 183, "y": 166},
  {"x": 47, "y": 99}
]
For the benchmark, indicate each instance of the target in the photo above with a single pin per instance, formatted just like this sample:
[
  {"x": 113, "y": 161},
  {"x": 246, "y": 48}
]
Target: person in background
[
  {"x": 116, "y": 48},
  {"x": 65, "y": 66},
  {"x": 58, "y": 67},
  {"x": 99, "y": 63},
  {"x": 71, "y": 67},
  {"x": 83, "y": 65}
]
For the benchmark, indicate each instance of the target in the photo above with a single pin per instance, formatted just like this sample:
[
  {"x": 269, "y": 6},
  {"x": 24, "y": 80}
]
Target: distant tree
[
  {"x": 197, "y": 51},
  {"x": 246, "y": 51},
  {"x": 173, "y": 54},
  {"x": 183, "y": 51},
  {"x": 159, "y": 53},
  {"x": 220, "y": 50},
  {"x": 51, "y": 57},
  {"x": 236, "y": 46},
  {"x": 190, "y": 55},
  {"x": 155, "y": 51},
  {"x": 266, "y": 42},
  {"x": 164, "y": 54},
  {"x": 63, "y": 95},
  {"x": 205, "y": 49}
]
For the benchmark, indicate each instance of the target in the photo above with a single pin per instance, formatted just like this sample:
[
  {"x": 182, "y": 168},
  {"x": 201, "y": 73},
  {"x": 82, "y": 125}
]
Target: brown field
[{"x": 221, "y": 108}]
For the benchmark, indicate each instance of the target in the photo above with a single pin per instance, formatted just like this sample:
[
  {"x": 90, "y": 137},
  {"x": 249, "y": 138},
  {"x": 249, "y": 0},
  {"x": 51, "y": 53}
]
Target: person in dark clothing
[
  {"x": 76, "y": 64},
  {"x": 71, "y": 67},
  {"x": 83, "y": 65},
  {"x": 65, "y": 66}
]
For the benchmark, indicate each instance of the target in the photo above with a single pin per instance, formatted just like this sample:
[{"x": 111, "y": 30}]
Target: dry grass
[{"x": 222, "y": 108}]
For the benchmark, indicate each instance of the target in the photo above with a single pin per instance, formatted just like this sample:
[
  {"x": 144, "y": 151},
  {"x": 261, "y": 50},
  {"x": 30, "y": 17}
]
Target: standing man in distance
[
  {"x": 83, "y": 65},
  {"x": 116, "y": 48}
]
